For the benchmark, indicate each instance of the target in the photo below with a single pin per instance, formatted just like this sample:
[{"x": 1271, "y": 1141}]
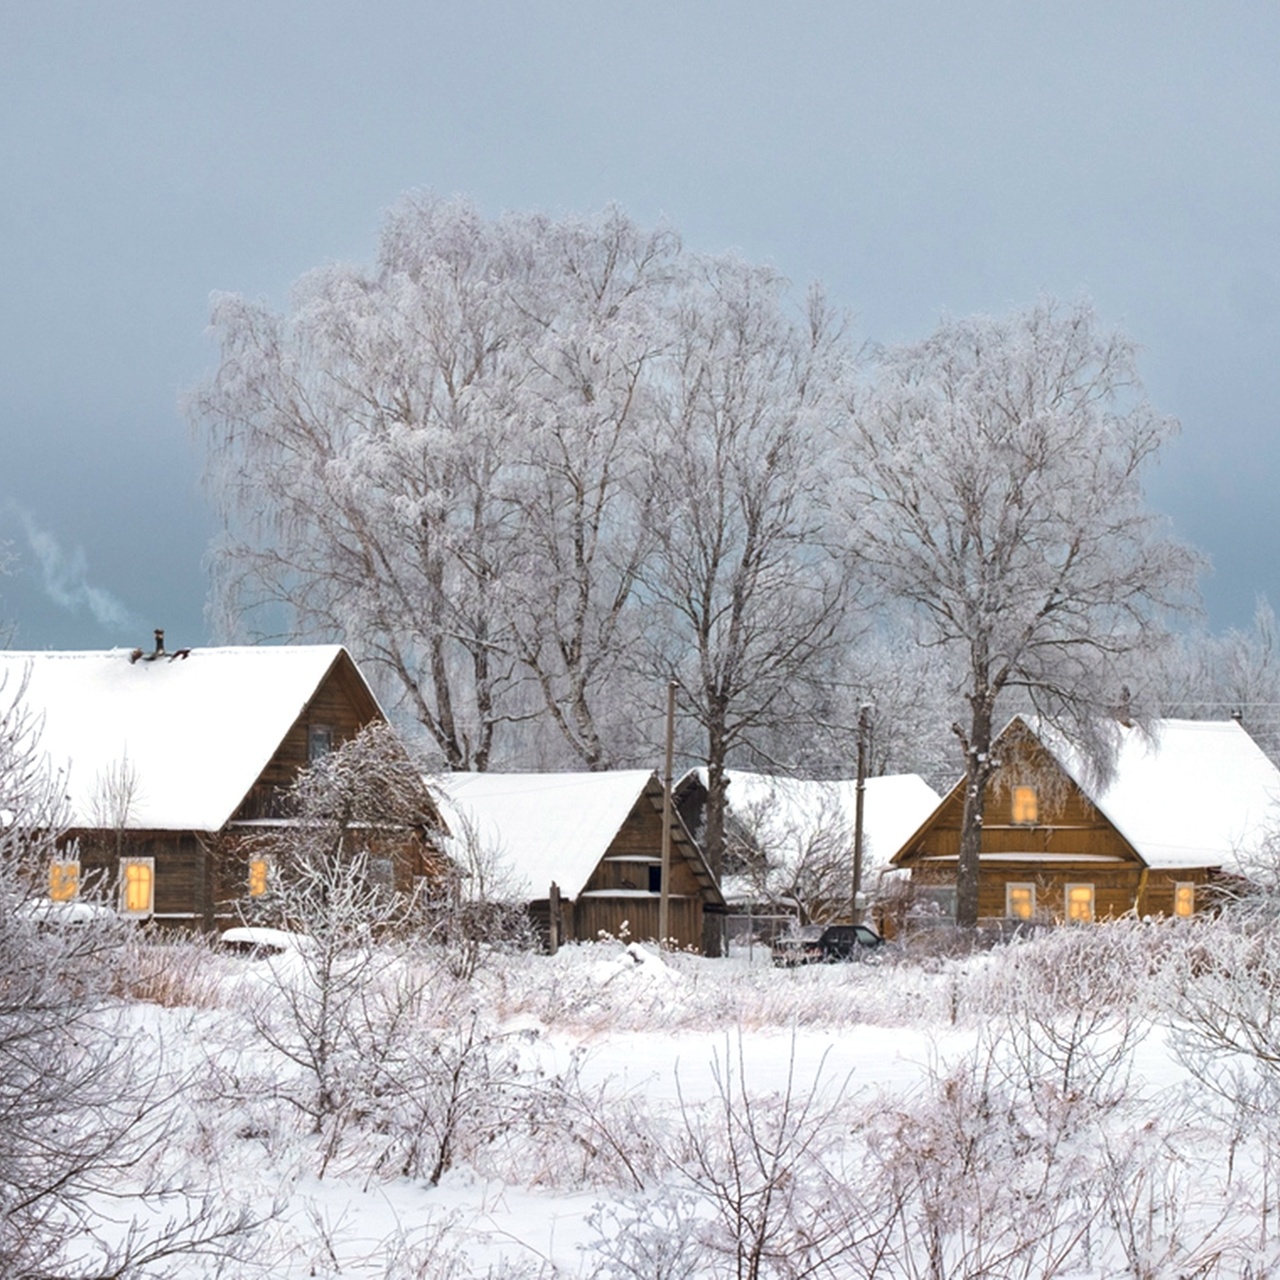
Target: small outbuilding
[
  {"x": 1187, "y": 803},
  {"x": 790, "y": 842},
  {"x": 174, "y": 763},
  {"x": 583, "y": 851}
]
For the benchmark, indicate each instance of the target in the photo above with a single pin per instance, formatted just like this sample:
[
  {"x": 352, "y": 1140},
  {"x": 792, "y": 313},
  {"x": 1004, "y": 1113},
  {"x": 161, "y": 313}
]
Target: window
[
  {"x": 1026, "y": 809},
  {"x": 1079, "y": 902},
  {"x": 137, "y": 886},
  {"x": 64, "y": 881},
  {"x": 319, "y": 742},
  {"x": 382, "y": 874},
  {"x": 259, "y": 876},
  {"x": 655, "y": 879},
  {"x": 1184, "y": 899},
  {"x": 1020, "y": 901}
]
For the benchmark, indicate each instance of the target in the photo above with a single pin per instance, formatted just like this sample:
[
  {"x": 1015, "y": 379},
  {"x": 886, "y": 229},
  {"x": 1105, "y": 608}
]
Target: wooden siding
[
  {"x": 639, "y": 841},
  {"x": 183, "y": 871},
  {"x": 1081, "y": 844},
  {"x": 617, "y": 892},
  {"x": 594, "y": 916},
  {"x": 201, "y": 879},
  {"x": 412, "y": 854},
  {"x": 342, "y": 704}
]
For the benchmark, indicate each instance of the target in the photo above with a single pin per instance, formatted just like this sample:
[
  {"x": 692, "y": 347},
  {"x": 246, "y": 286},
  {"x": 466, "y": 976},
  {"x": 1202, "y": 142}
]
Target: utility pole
[
  {"x": 664, "y": 887},
  {"x": 864, "y": 727}
]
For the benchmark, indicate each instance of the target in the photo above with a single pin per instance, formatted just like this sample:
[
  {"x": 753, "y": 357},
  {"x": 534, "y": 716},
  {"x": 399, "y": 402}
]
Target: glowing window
[
  {"x": 1025, "y": 807},
  {"x": 1020, "y": 901},
  {"x": 64, "y": 881},
  {"x": 137, "y": 886},
  {"x": 1184, "y": 899},
  {"x": 1080, "y": 902},
  {"x": 259, "y": 872}
]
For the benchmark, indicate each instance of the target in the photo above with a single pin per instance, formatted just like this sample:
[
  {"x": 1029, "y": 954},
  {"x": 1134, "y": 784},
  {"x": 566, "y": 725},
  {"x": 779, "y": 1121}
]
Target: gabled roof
[
  {"x": 195, "y": 732},
  {"x": 540, "y": 827},
  {"x": 1183, "y": 794},
  {"x": 1190, "y": 793}
]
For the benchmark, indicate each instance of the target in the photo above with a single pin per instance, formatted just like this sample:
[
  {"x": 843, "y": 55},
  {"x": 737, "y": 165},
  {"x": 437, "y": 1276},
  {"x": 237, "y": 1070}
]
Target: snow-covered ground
[{"x": 1044, "y": 1109}]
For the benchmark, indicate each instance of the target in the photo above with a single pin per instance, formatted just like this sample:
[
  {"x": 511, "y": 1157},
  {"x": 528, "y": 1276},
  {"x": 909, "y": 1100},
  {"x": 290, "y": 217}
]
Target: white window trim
[
  {"x": 151, "y": 903},
  {"x": 1008, "y": 898},
  {"x": 1066, "y": 901}
]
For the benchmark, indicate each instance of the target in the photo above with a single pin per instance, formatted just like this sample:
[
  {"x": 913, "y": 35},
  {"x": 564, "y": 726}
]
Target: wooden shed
[
  {"x": 597, "y": 837},
  {"x": 174, "y": 762},
  {"x": 1189, "y": 801}
]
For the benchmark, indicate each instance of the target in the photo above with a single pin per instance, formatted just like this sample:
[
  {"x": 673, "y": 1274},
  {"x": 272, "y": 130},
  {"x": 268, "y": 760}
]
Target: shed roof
[
  {"x": 194, "y": 733},
  {"x": 540, "y": 827}
]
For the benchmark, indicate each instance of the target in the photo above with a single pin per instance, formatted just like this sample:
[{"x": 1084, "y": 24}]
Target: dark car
[{"x": 814, "y": 944}]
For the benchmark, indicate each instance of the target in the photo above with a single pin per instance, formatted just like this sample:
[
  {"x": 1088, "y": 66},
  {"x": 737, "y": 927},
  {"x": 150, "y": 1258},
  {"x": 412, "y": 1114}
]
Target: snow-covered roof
[
  {"x": 787, "y": 814},
  {"x": 1186, "y": 793},
  {"x": 538, "y": 827},
  {"x": 193, "y": 733}
]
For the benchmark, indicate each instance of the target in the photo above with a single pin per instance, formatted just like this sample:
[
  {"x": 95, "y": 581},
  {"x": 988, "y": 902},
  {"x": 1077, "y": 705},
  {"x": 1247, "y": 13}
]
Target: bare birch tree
[
  {"x": 583, "y": 501},
  {"x": 353, "y": 448},
  {"x": 431, "y": 460},
  {"x": 994, "y": 483},
  {"x": 747, "y": 600}
]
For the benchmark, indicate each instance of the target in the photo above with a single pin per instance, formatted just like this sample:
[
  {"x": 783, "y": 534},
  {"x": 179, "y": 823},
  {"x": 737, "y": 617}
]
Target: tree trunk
[
  {"x": 977, "y": 773},
  {"x": 713, "y": 836}
]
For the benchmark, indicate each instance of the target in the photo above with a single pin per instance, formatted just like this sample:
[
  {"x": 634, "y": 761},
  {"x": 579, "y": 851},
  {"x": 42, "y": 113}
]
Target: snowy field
[{"x": 1100, "y": 1102}]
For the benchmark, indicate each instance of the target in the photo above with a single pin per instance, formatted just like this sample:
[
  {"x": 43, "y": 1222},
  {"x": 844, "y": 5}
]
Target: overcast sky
[{"x": 919, "y": 159}]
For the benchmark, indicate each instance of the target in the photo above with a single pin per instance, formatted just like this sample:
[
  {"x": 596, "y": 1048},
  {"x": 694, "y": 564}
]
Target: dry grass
[{"x": 182, "y": 973}]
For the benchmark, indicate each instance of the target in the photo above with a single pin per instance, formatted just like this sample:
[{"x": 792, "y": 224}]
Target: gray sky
[{"x": 920, "y": 159}]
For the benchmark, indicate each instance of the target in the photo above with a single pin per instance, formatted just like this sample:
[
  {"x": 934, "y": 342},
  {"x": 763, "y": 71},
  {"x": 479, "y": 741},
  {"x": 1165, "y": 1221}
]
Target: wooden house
[
  {"x": 789, "y": 842},
  {"x": 173, "y": 764},
  {"x": 1188, "y": 802},
  {"x": 595, "y": 837}
]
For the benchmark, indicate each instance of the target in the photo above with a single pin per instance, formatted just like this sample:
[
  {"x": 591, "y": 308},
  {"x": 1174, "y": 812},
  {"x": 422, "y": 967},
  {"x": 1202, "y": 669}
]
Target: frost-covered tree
[
  {"x": 354, "y": 445},
  {"x": 580, "y": 493},
  {"x": 431, "y": 460},
  {"x": 746, "y": 599},
  {"x": 1236, "y": 672},
  {"x": 333, "y": 879},
  {"x": 87, "y": 1101},
  {"x": 994, "y": 484},
  {"x": 478, "y": 463}
]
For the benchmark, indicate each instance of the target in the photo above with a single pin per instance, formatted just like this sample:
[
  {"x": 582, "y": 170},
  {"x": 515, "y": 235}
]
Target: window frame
[
  {"x": 1066, "y": 902},
  {"x": 1010, "y": 888},
  {"x": 150, "y": 866},
  {"x": 61, "y": 872},
  {"x": 1183, "y": 888},
  {"x": 321, "y": 740},
  {"x": 1025, "y": 806},
  {"x": 258, "y": 886}
]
